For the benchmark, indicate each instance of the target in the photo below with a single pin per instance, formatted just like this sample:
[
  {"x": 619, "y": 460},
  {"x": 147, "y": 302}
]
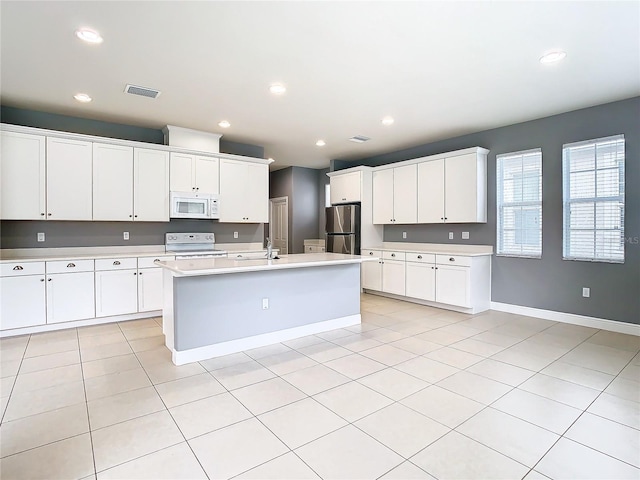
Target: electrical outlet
[
  {"x": 235, "y": 234},
  {"x": 586, "y": 292},
  {"x": 41, "y": 236},
  {"x": 265, "y": 304},
  {"x": 465, "y": 235},
  {"x": 450, "y": 235},
  {"x": 125, "y": 235},
  {"x": 404, "y": 234}
]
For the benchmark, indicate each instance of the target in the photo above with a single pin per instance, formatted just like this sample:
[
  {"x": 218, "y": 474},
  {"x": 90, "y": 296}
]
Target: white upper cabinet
[
  {"x": 22, "y": 177},
  {"x": 453, "y": 189},
  {"x": 345, "y": 188},
  {"x": 69, "y": 179},
  {"x": 193, "y": 173},
  {"x": 244, "y": 192},
  {"x": 112, "y": 182},
  {"x": 150, "y": 185},
  {"x": 395, "y": 195}
]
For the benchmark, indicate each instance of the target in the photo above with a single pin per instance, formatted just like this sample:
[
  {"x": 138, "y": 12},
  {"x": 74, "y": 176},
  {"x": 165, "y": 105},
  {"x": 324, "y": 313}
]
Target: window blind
[
  {"x": 593, "y": 192},
  {"x": 519, "y": 203}
]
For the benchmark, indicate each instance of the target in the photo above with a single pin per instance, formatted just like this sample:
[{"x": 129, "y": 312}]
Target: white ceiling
[{"x": 441, "y": 69}]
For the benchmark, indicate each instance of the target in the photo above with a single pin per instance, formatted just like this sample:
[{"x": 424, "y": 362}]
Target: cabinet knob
[
  {"x": 135, "y": 216},
  {"x": 156, "y": 260},
  {"x": 441, "y": 218},
  {"x": 446, "y": 218},
  {"x": 48, "y": 214},
  {"x": 393, "y": 254},
  {"x": 436, "y": 268},
  {"x": 117, "y": 262},
  {"x": 48, "y": 279},
  {"x": 130, "y": 216},
  {"x": 419, "y": 257},
  {"x": 451, "y": 259},
  {"x": 432, "y": 268},
  {"x": 370, "y": 253},
  {"x": 71, "y": 265},
  {"x": 135, "y": 273},
  {"x": 139, "y": 273},
  {"x": 42, "y": 279},
  {"x": 18, "y": 267},
  {"x": 42, "y": 214}
]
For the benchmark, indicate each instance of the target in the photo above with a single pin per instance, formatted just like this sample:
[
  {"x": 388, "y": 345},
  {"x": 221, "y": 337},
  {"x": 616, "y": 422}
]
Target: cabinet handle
[
  {"x": 42, "y": 279},
  {"x": 139, "y": 273},
  {"x": 433, "y": 268},
  {"x": 135, "y": 273},
  {"x": 446, "y": 218},
  {"x": 344, "y": 199},
  {"x": 156, "y": 260},
  {"x": 42, "y": 214},
  {"x": 436, "y": 268},
  {"x": 451, "y": 259},
  {"x": 71, "y": 265},
  {"x": 18, "y": 267},
  {"x": 393, "y": 254},
  {"x": 48, "y": 279},
  {"x": 370, "y": 253},
  {"x": 117, "y": 262},
  {"x": 48, "y": 214},
  {"x": 197, "y": 188},
  {"x": 135, "y": 216},
  {"x": 441, "y": 218},
  {"x": 130, "y": 216},
  {"x": 419, "y": 257}
]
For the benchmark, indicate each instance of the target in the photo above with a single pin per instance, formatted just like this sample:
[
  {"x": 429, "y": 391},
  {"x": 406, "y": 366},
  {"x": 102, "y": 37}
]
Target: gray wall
[
  {"x": 300, "y": 185},
  {"x": 549, "y": 283}
]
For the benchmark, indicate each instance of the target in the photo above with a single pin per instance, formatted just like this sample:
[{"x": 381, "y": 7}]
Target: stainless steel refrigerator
[{"x": 343, "y": 229}]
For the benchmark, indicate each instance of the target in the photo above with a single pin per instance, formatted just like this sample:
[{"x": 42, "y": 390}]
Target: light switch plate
[
  {"x": 125, "y": 235},
  {"x": 465, "y": 235},
  {"x": 450, "y": 235},
  {"x": 235, "y": 234},
  {"x": 586, "y": 292},
  {"x": 41, "y": 236},
  {"x": 265, "y": 304}
]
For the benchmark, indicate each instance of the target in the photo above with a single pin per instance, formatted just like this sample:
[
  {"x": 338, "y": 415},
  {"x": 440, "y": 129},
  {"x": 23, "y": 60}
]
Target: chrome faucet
[{"x": 269, "y": 249}]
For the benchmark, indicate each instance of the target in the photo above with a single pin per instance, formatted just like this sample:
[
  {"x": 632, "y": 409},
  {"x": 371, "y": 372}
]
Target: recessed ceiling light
[
  {"x": 320, "y": 143},
  {"x": 88, "y": 35},
  {"x": 82, "y": 97},
  {"x": 224, "y": 124},
  {"x": 277, "y": 89},
  {"x": 388, "y": 121},
  {"x": 553, "y": 56}
]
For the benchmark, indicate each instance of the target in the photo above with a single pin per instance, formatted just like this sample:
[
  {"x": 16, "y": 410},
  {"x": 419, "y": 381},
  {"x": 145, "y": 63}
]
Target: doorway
[{"x": 279, "y": 223}]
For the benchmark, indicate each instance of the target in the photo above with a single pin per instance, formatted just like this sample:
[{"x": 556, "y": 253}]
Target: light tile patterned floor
[{"x": 413, "y": 392}]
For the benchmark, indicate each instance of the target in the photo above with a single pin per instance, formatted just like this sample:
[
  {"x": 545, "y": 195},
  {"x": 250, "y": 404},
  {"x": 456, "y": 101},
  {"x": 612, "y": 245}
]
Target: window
[
  {"x": 519, "y": 203},
  {"x": 593, "y": 191}
]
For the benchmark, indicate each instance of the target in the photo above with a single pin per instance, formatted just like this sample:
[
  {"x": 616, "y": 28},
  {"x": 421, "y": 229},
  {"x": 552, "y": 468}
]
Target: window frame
[{"x": 500, "y": 204}]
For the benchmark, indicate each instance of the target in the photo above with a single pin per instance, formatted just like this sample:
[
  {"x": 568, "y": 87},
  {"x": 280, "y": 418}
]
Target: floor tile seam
[
  {"x": 541, "y": 372},
  {"x": 43, "y": 412},
  {"x": 277, "y": 374},
  {"x": 10, "y": 396},
  {"x": 261, "y": 464},
  {"x": 637, "y": 467},
  {"x": 499, "y": 381},
  {"x": 86, "y": 407},
  {"x": 613, "y": 421},
  {"x": 358, "y": 380},
  {"x": 272, "y": 409},
  {"x": 426, "y": 355},
  {"x": 511, "y": 388},
  {"x": 20, "y": 390},
  {"x": 49, "y": 368},
  {"x": 317, "y": 393},
  {"x": 77, "y": 347},
  {"x": 137, "y": 458},
  {"x": 409, "y": 461},
  {"x": 46, "y": 445}
]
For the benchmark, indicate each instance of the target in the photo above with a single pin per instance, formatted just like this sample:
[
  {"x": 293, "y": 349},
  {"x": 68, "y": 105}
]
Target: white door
[
  {"x": 150, "y": 185},
  {"x": 279, "y": 223},
  {"x": 393, "y": 280},
  {"x": 431, "y": 191},
  {"x": 460, "y": 189},
  {"x": 421, "y": 281},
  {"x": 453, "y": 285},
  {"x": 383, "y": 196},
  {"x": 112, "y": 182},
  {"x": 149, "y": 289},
  {"x": 22, "y": 176},
  {"x": 257, "y": 193},
  {"x": 232, "y": 191},
  {"x": 70, "y": 296},
  {"x": 182, "y": 172},
  {"x": 116, "y": 292},
  {"x": 405, "y": 194},
  {"x": 207, "y": 175},
  {"x": 23, "y": 301},
  {"x": 372, "y": 275},
  {"x": 69, "y": 179}
]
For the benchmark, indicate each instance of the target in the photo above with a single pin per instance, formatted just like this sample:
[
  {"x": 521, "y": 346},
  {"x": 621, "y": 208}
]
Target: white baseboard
[
  {"x": 234, "y": 346},
  {"x": 593, "y": 322}
]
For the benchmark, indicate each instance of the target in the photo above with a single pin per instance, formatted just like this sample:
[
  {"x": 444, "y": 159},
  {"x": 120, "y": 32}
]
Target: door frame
[{"x": 272, "y": 202}]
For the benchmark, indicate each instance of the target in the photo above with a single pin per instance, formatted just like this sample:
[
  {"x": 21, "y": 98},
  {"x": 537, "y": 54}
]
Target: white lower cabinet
[
  {"x": 371, "y": 272},
  {"x": 393, "y": 273},
  {"x": 421, "y": 281},
  {"x": 23, "y": 301},
  {"x": 116, "y": 286},
  {"x": 70, "y": 296},
  {"x": 149, "y": 289},
  {"x": 452, "y": 285}
]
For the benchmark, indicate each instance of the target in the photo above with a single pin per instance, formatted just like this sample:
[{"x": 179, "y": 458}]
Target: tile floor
[{"x": 413, "y": 392}]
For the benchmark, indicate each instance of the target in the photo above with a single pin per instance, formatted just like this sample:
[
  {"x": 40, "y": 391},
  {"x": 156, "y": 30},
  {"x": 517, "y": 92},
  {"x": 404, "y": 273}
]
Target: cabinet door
[
  {"x": 70, "y": 296},
  {"x": 22, "y": 176},
  {"x": 453, "y": 285},
  {"x": 149, "y": 289},
  {"x": 69, "y": 179},
  {"x": 372, "y": 275},
  {"x": 181, "y": 177},
  {"x": 405, "y": 194},
  {"x": 112, "y": 182},
  {"x": 257, "y": 193},
  {"x": 116, "y": 292},
  {"x": 150, "y": 185},
  {"x": 421, "y": 281},
  {"x": 23, "y": 301},
  {"x": 382, "y": 182},
  {"x": 207, "y": 175},
  {"x": 232, "y": 191},
  {"x": 345, "y": 188},
  {"x": 461, "y": 189},
  {"x": 393, "y": 280},
  {"x": 431, "y": 191}
]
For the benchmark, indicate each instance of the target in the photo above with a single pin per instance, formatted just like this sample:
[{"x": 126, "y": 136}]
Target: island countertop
[{"x": 217, "y": 266}]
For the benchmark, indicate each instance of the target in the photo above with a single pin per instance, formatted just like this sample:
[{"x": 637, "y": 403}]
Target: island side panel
[{"x": 212, "y": 309}]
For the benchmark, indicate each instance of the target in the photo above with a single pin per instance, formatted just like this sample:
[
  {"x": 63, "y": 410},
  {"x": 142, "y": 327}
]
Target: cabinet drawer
[
  {"x": 372, "y": 253},
  {"x": 16, "y": 269},
  {"x": 393, "y": 255},
  {"x": 453, "y": 260},
  {"x": 70, "y": 266},
  {"x": 116, "y": 263},
  {"x": 148, "y": 262},
  {"x": 420, "y": 257}
]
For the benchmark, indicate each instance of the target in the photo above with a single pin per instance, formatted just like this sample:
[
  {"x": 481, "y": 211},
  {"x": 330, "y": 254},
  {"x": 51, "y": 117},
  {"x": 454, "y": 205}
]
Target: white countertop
[
  {"x": 435, "y": 248},
  {"x": 217, "y": 266}
]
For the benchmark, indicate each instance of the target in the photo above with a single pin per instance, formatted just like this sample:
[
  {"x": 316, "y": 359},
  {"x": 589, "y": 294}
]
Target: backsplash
[{"x": 24, "y": 233}]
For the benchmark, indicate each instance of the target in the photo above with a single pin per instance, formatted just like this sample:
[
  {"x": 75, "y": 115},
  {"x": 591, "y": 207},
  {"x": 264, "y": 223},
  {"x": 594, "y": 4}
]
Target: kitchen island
[{"x": 218, "y": 306}]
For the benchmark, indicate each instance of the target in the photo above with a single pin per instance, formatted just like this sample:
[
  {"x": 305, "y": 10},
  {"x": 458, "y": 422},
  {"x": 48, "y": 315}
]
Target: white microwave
[{"x": 194, "y": 205}]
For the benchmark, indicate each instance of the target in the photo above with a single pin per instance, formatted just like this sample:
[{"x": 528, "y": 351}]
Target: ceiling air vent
[
  {"x": 359, "y": 139},
  {"x": 142, "y": 91}
]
